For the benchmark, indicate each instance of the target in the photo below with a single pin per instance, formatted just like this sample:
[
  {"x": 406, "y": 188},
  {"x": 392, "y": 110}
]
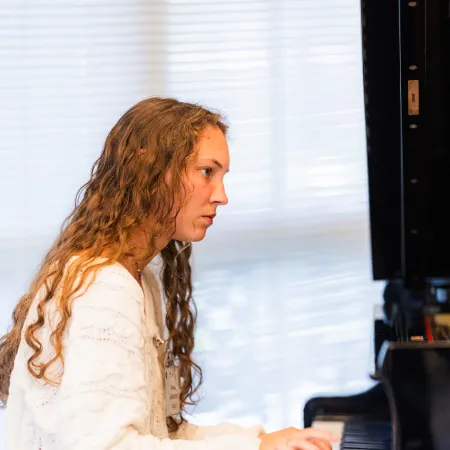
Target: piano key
[
  {"x": 333, "y": 426},
  {"x": 357, "y": 433}
]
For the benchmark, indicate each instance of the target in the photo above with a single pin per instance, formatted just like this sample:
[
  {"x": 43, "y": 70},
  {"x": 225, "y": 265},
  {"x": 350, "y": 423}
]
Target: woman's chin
[
  {"x": 196, "y": 236},
  {"x": 199, "y": 235}
]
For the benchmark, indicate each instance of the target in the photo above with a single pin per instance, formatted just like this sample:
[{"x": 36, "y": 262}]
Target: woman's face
[{"x": 205, "y": 183}]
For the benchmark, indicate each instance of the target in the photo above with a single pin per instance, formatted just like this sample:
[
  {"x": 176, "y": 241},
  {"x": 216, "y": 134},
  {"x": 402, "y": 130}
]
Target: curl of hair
[{"x": 127, "y": 185}]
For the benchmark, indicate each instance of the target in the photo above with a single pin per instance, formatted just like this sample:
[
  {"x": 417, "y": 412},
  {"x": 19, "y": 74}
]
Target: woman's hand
[{"x": 293, "y": 439}]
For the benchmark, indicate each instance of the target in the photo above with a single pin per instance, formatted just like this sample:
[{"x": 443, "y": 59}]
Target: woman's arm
[{"x": 192, "y": 432}]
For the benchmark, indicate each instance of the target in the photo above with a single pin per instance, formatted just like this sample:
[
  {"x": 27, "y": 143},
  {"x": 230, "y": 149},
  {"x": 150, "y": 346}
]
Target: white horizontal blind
[
  {"x": 68, "y": 70},
  {"x": 288, "y": 75}
]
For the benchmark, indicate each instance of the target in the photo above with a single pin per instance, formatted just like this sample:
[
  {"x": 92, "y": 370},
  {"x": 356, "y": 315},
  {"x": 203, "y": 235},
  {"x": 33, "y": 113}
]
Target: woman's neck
[{"x": 139, "y": 243}]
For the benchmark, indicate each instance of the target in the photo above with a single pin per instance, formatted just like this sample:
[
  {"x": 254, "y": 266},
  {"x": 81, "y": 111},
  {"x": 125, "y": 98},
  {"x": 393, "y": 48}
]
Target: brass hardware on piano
[{"x": 413, "y": 97}]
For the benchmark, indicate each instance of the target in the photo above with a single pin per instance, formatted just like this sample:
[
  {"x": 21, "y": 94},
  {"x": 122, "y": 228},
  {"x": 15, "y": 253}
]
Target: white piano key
[{"x": 333, "y": 426}]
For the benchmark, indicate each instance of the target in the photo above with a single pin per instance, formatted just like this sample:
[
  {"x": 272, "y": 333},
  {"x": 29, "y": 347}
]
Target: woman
[{"x": 85, "y": 365}]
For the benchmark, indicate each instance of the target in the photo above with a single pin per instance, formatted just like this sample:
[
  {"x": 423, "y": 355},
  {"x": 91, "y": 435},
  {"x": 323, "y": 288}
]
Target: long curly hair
[{"x": 127, "y": 185}]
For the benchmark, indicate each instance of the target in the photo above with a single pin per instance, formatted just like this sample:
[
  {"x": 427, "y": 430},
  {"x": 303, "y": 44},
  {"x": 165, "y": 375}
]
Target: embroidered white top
[{"x": 111, "y": 394}]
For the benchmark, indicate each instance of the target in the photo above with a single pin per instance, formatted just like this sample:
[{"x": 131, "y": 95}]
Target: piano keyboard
[{"x": 358, "y": 434}]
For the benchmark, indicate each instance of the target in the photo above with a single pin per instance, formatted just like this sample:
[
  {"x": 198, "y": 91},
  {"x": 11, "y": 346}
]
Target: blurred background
[{"x": 283, "y": 281}]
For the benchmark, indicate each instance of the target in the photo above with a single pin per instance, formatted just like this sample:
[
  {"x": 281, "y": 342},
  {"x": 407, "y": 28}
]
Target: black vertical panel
[
  {"x": 408, "y": 152},
  {"x": 412, "y": 16},
  {"x": 380, "y": 35},
  {"x": 436, "y": 143}
]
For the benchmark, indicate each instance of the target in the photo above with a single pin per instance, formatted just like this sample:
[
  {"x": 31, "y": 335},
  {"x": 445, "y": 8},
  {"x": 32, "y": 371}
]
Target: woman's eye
[{"x": 207, "y": 171}]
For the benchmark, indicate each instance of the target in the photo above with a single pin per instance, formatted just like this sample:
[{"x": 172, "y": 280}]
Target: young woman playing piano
[{"x": 92, "y": 360}]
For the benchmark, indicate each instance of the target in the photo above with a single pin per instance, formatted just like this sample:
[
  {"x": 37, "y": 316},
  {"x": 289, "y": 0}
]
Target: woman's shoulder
[
  {"x": 110, "y": 286},
  {"x": 107, "y": 273}
]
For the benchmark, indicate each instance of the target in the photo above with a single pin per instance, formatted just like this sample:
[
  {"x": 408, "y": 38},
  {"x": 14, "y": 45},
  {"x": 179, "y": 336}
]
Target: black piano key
[{"x": 360, "y": 434}]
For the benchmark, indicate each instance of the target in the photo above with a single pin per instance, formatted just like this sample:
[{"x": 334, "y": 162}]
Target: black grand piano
[{"x": 406, "y": 67}]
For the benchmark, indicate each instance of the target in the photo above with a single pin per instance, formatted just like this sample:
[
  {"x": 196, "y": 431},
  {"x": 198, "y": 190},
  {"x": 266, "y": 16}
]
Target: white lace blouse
[{"x": 111, "y": 394}]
